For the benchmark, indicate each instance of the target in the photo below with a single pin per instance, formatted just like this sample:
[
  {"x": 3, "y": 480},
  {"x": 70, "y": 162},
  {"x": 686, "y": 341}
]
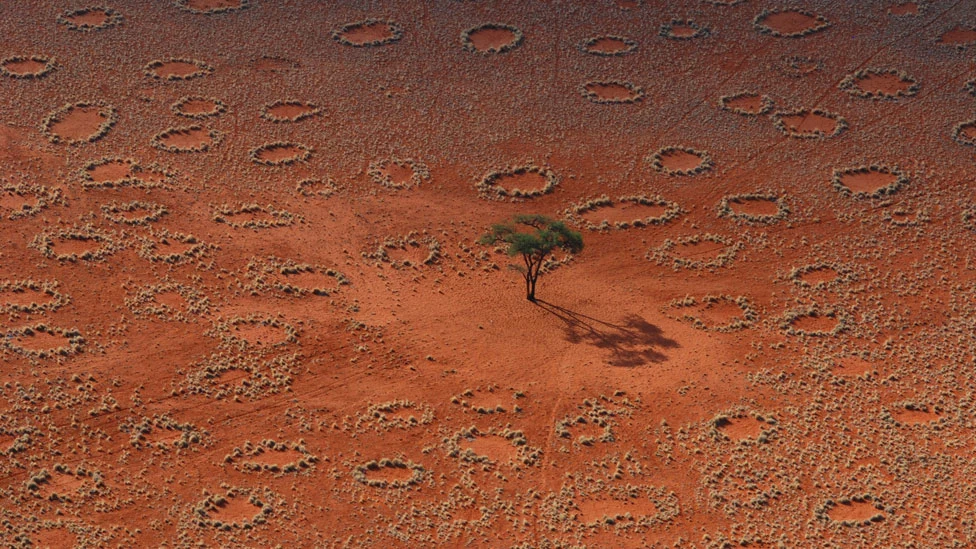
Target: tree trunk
[{"x": 529, "y": 287}]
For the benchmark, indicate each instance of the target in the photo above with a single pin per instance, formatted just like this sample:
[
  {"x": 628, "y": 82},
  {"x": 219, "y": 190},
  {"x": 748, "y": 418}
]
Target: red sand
[{"x": 603, "y": 357}]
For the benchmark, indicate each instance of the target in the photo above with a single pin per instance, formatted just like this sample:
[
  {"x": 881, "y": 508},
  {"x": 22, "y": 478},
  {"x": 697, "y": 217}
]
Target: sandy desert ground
[{"x": 244, "y": 304}]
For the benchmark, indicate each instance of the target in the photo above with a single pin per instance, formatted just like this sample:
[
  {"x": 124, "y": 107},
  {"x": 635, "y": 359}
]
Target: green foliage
[{"x": 533, "y": 237}]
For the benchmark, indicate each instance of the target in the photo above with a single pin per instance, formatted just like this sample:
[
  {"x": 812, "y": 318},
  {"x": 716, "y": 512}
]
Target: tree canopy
[{"x": 534, "y": 237}]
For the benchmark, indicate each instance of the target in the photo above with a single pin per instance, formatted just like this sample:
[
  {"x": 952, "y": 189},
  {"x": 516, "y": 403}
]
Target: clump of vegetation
[
  {"x": 323, "y": 188},
  {"x": 274, "y": 273},
  {"x": 207, "y": 512},
  {"x": 145, "y": 301},
  {"x": 535, "y": 247},
  {"x": 173, "y": 247},
  {"x": 161, "y": 432},
  {"x": 397, "y": 414},
  {"x": 254, "y": 458}
]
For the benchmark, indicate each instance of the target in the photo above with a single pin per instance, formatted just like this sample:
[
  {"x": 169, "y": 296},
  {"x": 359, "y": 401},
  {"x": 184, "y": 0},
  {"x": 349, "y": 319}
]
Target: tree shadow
[{"x": 632, "y": 342}]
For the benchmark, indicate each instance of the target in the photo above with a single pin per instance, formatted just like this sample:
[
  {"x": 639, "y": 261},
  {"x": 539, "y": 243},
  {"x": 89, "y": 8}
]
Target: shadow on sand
[{"x": 632, "y": 342}]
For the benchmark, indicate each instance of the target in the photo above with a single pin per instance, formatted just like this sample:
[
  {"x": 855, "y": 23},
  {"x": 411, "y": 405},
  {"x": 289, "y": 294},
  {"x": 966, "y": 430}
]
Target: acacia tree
[{"x": 544, "y": 236}]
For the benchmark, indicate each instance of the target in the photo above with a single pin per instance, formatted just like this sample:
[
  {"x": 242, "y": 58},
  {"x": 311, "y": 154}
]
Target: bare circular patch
[
  {"x": 79, "y": 123},
  {"x": 964, "y": 133},
  {"x": 959, "y": 36},
  {"x": 42, "y": 341},
  {"x": 389, "y": 473},
  {"x": 814, "y": 321},
  {"x": 759, "y": 208},
  {"x": 675, "y": 160},
  {"x": 133, "y": 213},
  {"x": 212, "y": 7},
  {"x": 853, "y": 511},
  {"x": 27, "y": 66},
  {"x": 280, "y": 153},
  {"x": 810, "y": 124},
  {"x": 396, "y": 173},
  {"x": 173, "y": 68},
  {"x": 746, "y": 103},
  {"x": 798, "y": 66},
  {"x": 173, "y": 248},
  {"x": 491, "y": 38},
  {"x": 186, "y": 139},
  {"x": 90, "y": 19},
  {"x": 623, "y": 213},
  {"x": 85, "y": 243},
  {"x": 198, "y": 107},
  {"x": 683, "y": 29},
  {"x": 611, "y": 92},
  {"x": 608, "y": 45},
  {"x": 716, "y": 313},
  {"x": 521, "y": 182},
  {"x": 880, "y": 84},
  {"x": 789, "y": 23},
  {"x": 317, "y": 187},
  {"x": 253, "y": 216},
  {"x": 368, "y": 33},
  {"x": 25, "y": 200},
  {"x": 874, "y": 181},
  {"x": 700, "y": 251},
  {"x": 289, "y": 110}
]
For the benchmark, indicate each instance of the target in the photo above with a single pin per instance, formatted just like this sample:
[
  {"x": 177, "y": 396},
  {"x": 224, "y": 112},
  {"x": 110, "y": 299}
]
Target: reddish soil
[
  {"x": 398, "y": 174},
  {"x": 857, "y": 511},
  {"x": 77, "y": 246},
  {"x": 719, "y": 313},
  {"x": 609, "y": 45},
  {"x": 610, "y": 91},
  {"x": 750, "y": 103},
  {"x": 187, "y": 139},
  {"x": 275, "y": 457},
  {"x": 235, "y": 510},
  {"x": 181, "y": 69},
  {"x": 491, "y": 38},
  {"x": 290, "y": 110},
  {"x": 817, "y": 276},
  {"x": 23, "y": 298},
  {"x": 92, "y": 17},
  {"x": 111, "y": 172},
  {"x": 809, "y": 123},
  {"x": 789, "y": 22},
  {"x": 601, "y": 345},
  {"x": 371, "y": 32},
  {"x": 199, "y": 106},
  {"x": 258, "y": 334},
  {"x": 25, "y": 66},
  {"x": 12, "y": 202},
  {"x": 880, "y": 84},
  {"x": 280, "y": 153},
  {"x": 811, "y": 323},
  {"x": 680, "y": 160},
  {"x": 40, "y": 341},
  {"x": 683, "y": 31},
  {"x": 203, "y": 5},
  {"x": 739, "y": 428},
  {"x": 959, "y": 36},
  {"x": 867, "y": 182},
  {"x": 626, "y": 212},
  {"x": 908, "y": 8},
  {"x": 754, "y": 206}
]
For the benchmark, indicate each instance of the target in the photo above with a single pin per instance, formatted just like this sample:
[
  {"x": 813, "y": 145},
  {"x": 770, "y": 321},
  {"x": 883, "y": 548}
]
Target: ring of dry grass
[
  {"x": 111, "y": 117},
  {"x": 73, "y": 337},
  {"x": 630, "y": 45},
  {"x": 468, "y": 44},
  {"x": 964, "y": 133},
  {"x": 850, "y": 84},
  {"x": 112, "y": 18},
  {"x": 748, "y": 318},
  {"x": 317, "y": 187},
  {"x": 185, "y": 434},
  {"x": 303, "y": 155},
  {"x": 389, "y": 415},
  {"x": 821, "y": 512},
  {"x": 150, "y": 248},
  {"x": 44, "y": 242},
  {"x": 396, "y": 33},
  {"x": 418, "y": 473},
  {"x": 273, "y": 272},
  {"x": 184, "y": 5},
  {"x": 219, "y": 107},
  {"x": 636, "y": 92},
  {"x": 657, "y": 161},
  {"x": 158, "y": 140},
  {"x": 671, "y": 212},
  {"x": 143, "y": 302},
  {"x": 312, "y": 110},
  {"x": 49, "y": 289},
  {"x": 242, "y": 457},
  {"x": 900, "y": 181},
  {"x": 203, "y": 69},
  {"x": 782, "y": 208},
  {"x": 44, "y": 196},
  {"x": 113, "y": 212},
  {"x": 668, "y": 30},
  {"x": 280, "y": 218},
  {"x": 845, "y": 274},
  {"x": 840, "y": 123},
  {"x": 488, "y": 186},
  {"x": 821, "y": 23},
  {"x": 664, "y": 254},
  {"x": 49, "y": 66},
  {"x": 765, "y": 103},
  {"x": 213, "y": 503},
  {"x": 788, "y": 319},
  {"x": 130, "y": 179},
  {"x": 524, "y": 454},
  {"x": 419, "y": 172},
  {"x": 420, "y": 241}
]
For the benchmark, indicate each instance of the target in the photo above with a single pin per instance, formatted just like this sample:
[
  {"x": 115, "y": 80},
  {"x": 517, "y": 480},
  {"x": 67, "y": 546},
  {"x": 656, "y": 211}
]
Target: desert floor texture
[{"x": 243, "y": 303}]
